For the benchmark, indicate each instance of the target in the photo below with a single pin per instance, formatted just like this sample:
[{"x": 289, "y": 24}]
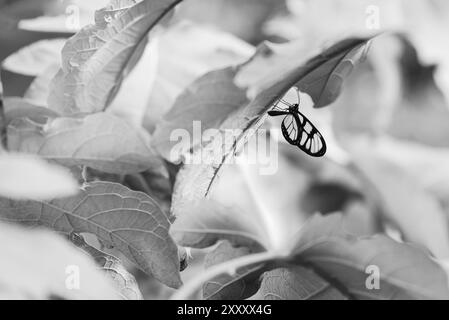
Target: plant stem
[{"x": 230, "y": 267}]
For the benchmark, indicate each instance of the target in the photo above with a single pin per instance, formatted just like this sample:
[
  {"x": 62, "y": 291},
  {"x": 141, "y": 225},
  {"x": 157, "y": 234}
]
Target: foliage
[{"x": 86, "y": 125}]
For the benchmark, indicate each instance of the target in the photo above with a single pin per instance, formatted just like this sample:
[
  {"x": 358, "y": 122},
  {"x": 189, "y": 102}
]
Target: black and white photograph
[{"x": 222, "y": 154}]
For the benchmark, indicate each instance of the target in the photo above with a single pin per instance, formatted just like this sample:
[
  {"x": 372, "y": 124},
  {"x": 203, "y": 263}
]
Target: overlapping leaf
[
  {"x": 405, "y": 272},
  {"x": 41, "y": 265},
  {"x": 100, "y": 141},
  {"x": 415, "y": 212},
  {"x": 97, "y": 58},
  {"x": 227, "y": 287},
  {"x": 124, "y": 282},
  {"x": 130, "y": 221},
  {"x": 296, "y": 283}
]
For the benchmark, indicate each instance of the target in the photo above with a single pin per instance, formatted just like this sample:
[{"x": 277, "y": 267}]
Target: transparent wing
[
  {"x": 281, "y": 106},
  {"x": 309, "y": 139},
  {"x": 290, "y": 128}
]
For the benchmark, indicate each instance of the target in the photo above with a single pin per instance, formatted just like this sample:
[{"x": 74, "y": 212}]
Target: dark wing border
[{"x": 314, "y": 134}]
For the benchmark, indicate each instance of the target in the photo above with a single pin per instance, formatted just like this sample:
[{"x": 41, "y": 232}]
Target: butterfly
[{"x": 297, "y": 129}]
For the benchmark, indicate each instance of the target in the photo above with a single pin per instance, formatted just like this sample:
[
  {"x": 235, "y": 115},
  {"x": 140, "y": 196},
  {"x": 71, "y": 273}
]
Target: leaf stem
[{"x": 230, "y": 267}]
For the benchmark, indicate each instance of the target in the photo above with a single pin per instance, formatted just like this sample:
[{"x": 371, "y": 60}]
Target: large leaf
[
  {"x": 346, "y": 262},
  {"x": 130, "y": 221},
  {"x": 96, "y": 59},
  {"x": 267, "y": 76},
  {"x": 415, "y": 212},
  {"x": 100, "y": 141},
  {"x": 236, "y": 97},
  {"x": 321, "y": 243},
  {"x": 295, "y": 283},
  {"x": 28, "y": 177},
  {"x": 405, "y": 272},
  {"x": 38, "y": 264}
]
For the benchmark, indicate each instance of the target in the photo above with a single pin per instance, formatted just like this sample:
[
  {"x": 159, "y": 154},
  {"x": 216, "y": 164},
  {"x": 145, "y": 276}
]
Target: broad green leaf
[
  {"x": 97, "y": 58},
  {"x": 405, "y": 272},
  {"x": 413, "y": 210},
  {"x": 295, "y": 283},
  {"x": 124, "y": 282},
  {"x": 100, "y": 141},
  {"x": 38, "y": 264},
  {"x": 28, "y": 177},
  {"x": 129, "y": 221},
  {"x": 230, "y": 287}
]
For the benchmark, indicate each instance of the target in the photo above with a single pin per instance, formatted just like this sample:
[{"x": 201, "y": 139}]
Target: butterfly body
[{"x": 297, "y": 129}]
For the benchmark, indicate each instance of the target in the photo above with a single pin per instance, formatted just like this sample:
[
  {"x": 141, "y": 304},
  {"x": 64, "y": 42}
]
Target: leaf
[
  {"x": 236, "y": 97},
  {"x": 324, "y": 85},
  {"x": 244, "y": 207},
  {"x": 100, "y": 141},
  {"x": 229, "y": 287},
  {"x": 124, "y": 281},
  {"x": 3, "y": 122},
  {"x": 39, "y": 89},
  {"x": 13, "y": 38},
  {"x": 295, "y": 283},
  {"x": 25, "y": 274},
  {"x": 179, "y": 63},
  {"x": 324, "y": 246},
  {"x": 16, "y": 108},
  {"x": 34, "y": 59},
  {"x": 28, "y": 177},
  {"x": 263, "y": 79},
  {"x": 63, "y": 17},
  {"x": 96, "y": 59},
  {"x": 129, "y": 221},
  {"x": 405, "y": 272},
  {"x": 212, "y": 222},
  {"x": 416, "y": 213}
]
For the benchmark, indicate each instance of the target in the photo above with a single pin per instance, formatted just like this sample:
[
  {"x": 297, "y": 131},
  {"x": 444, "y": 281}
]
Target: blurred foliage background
[{"x": 387, "y": 168}]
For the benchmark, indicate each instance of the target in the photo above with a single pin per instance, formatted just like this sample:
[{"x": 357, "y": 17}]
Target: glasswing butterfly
[{"x": 297, "y": 129}]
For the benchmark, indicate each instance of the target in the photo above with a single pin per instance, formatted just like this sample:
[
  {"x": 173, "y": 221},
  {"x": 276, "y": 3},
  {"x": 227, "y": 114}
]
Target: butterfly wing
[
  {"x": 290, "y": 128},
  {"x": 280, "y": 108},
  {"x": 308, "y": 139}
]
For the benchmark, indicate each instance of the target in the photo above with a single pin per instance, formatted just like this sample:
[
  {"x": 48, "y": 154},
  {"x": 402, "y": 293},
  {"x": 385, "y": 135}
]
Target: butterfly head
[{"x": 293, "y": 108}]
